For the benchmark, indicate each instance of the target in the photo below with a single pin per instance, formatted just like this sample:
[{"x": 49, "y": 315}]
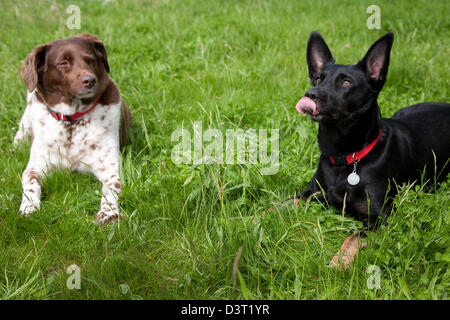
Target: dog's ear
[
  {"x": 34, "y": 63},
  {"x": 100, "y": 50},
  {"x": 376, "y": 61},
  {"x": 317, "y": 55}
]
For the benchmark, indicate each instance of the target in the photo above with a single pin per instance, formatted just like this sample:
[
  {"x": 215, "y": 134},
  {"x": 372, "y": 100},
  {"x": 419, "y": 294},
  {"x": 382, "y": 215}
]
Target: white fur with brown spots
[{"x": 89, "y": 144}]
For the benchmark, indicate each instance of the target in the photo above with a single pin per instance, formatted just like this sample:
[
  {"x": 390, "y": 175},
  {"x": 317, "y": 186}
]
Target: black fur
[{"x": 414, "y": 141}]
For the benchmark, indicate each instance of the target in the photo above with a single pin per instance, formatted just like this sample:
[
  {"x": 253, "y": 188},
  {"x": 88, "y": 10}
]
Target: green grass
[{"x": 229, "y": 64}]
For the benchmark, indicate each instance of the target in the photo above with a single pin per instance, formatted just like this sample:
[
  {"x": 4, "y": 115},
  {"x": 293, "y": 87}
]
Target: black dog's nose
[
  {"x": 312, "y": 94},
  {"x": 88, "y": 81}
]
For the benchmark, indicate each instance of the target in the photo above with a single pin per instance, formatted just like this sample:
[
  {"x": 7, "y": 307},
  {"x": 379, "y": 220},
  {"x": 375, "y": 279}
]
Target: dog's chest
[
  {"x": 338, "y": 188},
  {"x": 76, "y": 144}
]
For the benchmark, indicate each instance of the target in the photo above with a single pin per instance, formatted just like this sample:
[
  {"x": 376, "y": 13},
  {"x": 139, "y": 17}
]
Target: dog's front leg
[
  {"x": 108, "y": 174},
  {"x": 311, "y": 192},
  {"x": 351, "y": 245},
  {"x": 31, "y": 184},
  {"x": 314, "y": 191}
]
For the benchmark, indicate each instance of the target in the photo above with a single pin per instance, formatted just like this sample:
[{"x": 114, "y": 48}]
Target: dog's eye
[
  {"x": 318, "y": 80},
  {"x": 345, "y": 83},
  {"x": 63, "y": 63}
]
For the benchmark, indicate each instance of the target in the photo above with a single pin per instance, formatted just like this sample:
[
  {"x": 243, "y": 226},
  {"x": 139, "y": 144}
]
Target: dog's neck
[
  {"x": 65, "y": 105},
  {"x": 346, "y": 139}
]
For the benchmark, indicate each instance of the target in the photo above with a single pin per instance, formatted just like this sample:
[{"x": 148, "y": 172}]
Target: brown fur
[
  {"x": 68, "y": 75},
  {"x": 124, "y": 124},
  {"x": 57, "y": 83},
  {"x": 40, "y": 70},
  {"x": 349, "y": 250}
]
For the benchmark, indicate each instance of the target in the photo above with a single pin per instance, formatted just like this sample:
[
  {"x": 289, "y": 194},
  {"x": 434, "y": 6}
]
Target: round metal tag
[{"x": 353, "y": 179}]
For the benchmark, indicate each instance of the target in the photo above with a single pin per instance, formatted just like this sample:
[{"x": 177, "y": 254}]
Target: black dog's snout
[{"x": 312, "y": 94}]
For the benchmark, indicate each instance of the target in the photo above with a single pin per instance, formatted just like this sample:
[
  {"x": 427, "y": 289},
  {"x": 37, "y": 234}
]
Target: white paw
[
  {"x": 26, "y": 208},
  {"x": 106, "y": 216}
]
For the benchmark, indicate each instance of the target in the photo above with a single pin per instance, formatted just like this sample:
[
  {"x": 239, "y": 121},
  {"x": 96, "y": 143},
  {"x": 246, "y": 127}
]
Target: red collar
[
  {"x": 64, "y": 117},
  {"x": 356, "y": 156}
]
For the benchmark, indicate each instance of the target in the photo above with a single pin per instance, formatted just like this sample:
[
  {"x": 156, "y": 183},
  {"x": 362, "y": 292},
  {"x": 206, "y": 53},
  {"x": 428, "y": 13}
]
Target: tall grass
[{"x": 228, "y": 64}]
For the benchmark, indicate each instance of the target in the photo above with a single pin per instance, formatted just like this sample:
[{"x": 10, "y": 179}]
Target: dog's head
[
  {"x": 342, "y": 92},
  {"x": 65, "y": 69}
]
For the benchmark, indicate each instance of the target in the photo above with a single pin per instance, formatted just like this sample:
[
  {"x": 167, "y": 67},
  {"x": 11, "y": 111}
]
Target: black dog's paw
[
  {"x": 309, "y": 194},
  {"x": 300, "y": 197},
  {"x": 305, "y": 195}
]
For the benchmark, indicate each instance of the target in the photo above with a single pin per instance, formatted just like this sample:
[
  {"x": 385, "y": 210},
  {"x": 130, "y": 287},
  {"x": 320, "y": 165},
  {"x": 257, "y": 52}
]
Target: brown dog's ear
[
  {"x": 101, "y": 51},
  {"x": 33, "y": 64},
  {"x": 98, "y": 46}
]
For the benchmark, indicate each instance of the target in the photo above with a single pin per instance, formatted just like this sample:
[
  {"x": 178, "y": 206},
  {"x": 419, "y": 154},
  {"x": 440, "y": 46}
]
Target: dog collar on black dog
[
  {"x": 355, "y": 156},
  {"x": 69, "y": 118}
]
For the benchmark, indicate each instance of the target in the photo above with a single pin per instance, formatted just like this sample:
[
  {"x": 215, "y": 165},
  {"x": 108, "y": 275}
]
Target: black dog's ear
[
  {"x": 33, "y": 65},
  {"x": 317, "y": 55},
  {"x": 376, "y": 61}
]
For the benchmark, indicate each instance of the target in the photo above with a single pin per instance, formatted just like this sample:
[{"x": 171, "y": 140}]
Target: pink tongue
[{"x": 306, "y": 105}]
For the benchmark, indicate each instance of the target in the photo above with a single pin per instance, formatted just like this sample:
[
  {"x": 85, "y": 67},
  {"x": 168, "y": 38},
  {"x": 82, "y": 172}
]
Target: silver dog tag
[{"x": 353, "y": 178}]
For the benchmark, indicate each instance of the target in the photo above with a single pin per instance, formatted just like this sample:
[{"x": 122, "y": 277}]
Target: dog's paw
[
  {"x": 297, "y": 202},
  {"x": 27, "y": 208},
  {"x": 105, "y": 217},
  {"x": 346, "y": 255}
]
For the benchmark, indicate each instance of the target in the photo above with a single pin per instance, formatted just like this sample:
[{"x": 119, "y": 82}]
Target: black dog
[{"x": 364, "y": 156}]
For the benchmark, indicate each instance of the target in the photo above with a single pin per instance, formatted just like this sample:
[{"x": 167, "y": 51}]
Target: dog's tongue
[{"x": 306, "y": 105}]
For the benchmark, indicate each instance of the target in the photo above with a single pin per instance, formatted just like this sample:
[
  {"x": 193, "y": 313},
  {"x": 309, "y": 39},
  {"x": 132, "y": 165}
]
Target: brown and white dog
[{"x": 75, "y": 118}]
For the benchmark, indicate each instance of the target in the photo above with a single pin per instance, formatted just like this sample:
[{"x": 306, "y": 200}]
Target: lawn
[{"x": 204, "y": 231}]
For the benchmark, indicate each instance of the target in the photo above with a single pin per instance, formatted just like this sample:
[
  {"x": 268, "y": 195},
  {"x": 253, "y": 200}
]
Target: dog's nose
[
  {"x": 88, "y": 81},
  {"x": 312, "y": 94}
]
